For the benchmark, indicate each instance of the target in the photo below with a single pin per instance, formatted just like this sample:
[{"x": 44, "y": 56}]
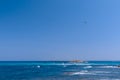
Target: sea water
[{"x": 59, "y": 70}]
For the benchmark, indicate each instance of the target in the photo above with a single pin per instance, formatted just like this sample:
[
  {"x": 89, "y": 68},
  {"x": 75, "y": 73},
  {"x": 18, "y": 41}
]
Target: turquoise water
[{"x": 59, "y": 70}]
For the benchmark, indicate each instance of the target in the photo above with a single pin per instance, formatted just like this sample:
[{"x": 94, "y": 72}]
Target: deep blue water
[{"x": 59, "y": 70}]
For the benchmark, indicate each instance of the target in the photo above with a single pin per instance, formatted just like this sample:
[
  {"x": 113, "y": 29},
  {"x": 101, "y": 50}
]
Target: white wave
[
  {"x": 88, "y": 67},
  {"x": 38, "y": 66},
  {"x": 99, "y": 72},
  {"x": 68, "y": 64},
  {"x": 64, "y": 65},
  {"x": 84, "y": 72},
  {"x": 109, "y": 79},
  {"x": 108, "y": 67}
]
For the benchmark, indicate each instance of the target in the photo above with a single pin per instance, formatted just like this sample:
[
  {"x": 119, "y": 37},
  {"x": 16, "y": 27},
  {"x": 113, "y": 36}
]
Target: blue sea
[{"x": 59, "y": 70}]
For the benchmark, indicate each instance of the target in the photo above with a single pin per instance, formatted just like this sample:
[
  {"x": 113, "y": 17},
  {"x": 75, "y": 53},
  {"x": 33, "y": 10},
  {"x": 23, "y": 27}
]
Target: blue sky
[{"x": 59, "y": 29}]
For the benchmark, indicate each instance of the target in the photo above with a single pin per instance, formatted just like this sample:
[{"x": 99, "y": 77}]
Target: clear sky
[{"x": 59, "y": 29}]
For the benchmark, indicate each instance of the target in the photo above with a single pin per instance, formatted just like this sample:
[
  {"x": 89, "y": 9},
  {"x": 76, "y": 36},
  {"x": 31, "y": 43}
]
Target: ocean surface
[{"x": 59, "y": 70}]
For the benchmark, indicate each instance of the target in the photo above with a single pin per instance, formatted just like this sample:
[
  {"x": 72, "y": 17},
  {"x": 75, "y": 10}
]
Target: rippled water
[{"x": 59, "y": 70}]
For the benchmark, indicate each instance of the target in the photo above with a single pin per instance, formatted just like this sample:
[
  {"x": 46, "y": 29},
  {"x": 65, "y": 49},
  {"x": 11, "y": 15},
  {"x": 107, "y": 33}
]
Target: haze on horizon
[{"x": 59, "y": 29}]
